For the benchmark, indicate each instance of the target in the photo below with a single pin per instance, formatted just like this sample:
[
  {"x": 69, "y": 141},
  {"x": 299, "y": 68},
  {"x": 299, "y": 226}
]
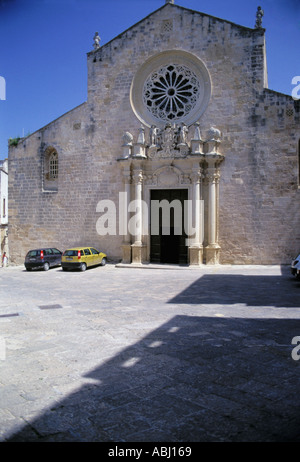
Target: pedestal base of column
[
  {"x": 126, "y": 253},
  {"x": 212, "y": 253},
  {"x": 196, "y": 255},
  {"x": 138, "y": 252}
]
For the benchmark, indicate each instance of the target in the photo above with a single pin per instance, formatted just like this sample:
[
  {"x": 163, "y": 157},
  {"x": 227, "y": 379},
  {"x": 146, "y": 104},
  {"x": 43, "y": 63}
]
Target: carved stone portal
[{"x": 174, "y": 157}]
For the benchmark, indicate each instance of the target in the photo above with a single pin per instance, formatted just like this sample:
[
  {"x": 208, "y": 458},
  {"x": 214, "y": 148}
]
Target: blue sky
[{"x": 44, "y": 45}]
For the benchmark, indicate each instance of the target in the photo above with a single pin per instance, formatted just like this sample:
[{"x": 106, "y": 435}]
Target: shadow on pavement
[
  {"x": 193, "y": 379},
  {"x": 229, "y": 289}
]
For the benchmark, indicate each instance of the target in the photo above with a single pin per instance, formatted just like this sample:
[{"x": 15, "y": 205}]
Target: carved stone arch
[{"x": 168, "y": 176}]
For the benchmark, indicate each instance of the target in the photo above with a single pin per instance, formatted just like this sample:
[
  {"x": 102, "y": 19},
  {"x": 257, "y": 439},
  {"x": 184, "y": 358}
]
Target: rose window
[
  {"x": 170, "y": 87},
  {"x": 171, "y": 92}
]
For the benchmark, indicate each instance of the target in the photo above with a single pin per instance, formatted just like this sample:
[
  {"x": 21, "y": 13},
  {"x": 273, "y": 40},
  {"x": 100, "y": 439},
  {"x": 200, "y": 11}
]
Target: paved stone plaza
[{"x": 149, "y": 355}]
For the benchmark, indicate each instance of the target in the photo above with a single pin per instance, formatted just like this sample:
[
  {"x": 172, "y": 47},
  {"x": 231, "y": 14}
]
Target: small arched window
[
  {"x": 50, "y": 170},
  {"x": 53, "y": 166}
]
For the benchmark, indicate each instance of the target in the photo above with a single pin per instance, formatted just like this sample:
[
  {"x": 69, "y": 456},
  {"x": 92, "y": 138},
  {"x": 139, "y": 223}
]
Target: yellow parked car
[{"x": 82, "y": 258}]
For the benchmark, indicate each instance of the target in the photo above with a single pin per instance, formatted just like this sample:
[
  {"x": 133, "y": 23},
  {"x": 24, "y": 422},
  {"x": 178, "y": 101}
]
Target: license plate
[{"x": 69, "y": 258}]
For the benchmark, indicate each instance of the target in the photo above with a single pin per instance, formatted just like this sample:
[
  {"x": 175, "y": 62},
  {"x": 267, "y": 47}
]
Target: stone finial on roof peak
[
  {"x": 259, "y": 15},
  {"x": 96, "y": 41}
]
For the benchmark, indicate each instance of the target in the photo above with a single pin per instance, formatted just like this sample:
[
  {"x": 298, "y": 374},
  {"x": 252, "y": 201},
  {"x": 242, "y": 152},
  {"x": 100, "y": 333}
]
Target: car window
[
  {"x": 56, "y": 251},
  {"x": 33, "y": 253},
  {"x": 48, "y": 252},
  {"x": 94, "y": 251},
  {"x": 87, "y": 251},
  {"x": 71, "y": 253}
]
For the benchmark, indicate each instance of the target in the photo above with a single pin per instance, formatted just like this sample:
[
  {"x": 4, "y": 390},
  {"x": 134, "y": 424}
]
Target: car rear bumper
[
  {"x": 35, "y": 264},
  {"x": 71, "y": 265}
]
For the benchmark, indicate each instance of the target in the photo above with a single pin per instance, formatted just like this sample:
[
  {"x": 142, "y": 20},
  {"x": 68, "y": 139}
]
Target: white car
[{"x": 295, "y": 266}]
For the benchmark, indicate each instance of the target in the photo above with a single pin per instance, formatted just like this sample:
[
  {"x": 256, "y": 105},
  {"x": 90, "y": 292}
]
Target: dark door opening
[{"x": 167, "y": 245}]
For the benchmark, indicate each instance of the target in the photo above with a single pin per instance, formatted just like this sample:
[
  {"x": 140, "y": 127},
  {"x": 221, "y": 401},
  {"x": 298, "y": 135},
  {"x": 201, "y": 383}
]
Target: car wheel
[
  {"x": 46, "y": 266},
  {"x": 64, "y": 269},
  {"x": 103, "y": 262},
  {"x": 82, "y": 267},
  {"x": 28, "y": 269}
]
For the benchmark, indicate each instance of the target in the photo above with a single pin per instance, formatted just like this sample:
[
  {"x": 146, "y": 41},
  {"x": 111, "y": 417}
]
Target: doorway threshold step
[{"x": 166, "y": 266}]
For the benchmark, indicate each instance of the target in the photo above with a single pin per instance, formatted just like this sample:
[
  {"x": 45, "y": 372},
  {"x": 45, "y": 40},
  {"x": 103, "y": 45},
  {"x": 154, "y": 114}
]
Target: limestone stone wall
[
  {"x": 259, "y": 187},
  {"x": 259, "y": 191}
]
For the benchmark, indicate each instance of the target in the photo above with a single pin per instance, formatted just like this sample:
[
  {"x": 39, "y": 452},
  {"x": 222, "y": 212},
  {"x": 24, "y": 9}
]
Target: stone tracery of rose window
[{"x": 171, "y": 92}]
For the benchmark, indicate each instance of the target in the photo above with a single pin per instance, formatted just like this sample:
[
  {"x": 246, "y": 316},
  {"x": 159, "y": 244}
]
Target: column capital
[
  {"x": 212, "y": 175},
  {"x": 214, "y": 159},
  {"x": 137, "y": 177},
  {"x": 196, "y": 176}
]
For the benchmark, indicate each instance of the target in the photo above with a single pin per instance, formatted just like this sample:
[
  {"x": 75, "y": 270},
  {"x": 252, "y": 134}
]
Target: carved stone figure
[
  {"x": 214, "y": 134},
  {"x": 127, "y": 139},
  {"x": 154, "y": 136},
  {"x": 197, "y": 133},
  {"x": 141, "y": 136},
  {"x": 183, "y": 131},
  {"x": 96, "y": 41},
  {"x": 168, "y": 141},
  {"x": 259, "y": 15}
]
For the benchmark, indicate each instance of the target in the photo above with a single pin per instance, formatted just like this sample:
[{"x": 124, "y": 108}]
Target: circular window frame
[{"x": 155, "y": 63}]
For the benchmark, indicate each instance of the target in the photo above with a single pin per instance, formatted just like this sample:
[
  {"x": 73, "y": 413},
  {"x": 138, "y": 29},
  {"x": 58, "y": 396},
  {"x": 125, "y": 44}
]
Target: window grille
[
  {"x": 53, "y": 166},
  {"x": 171, "y": 92}
]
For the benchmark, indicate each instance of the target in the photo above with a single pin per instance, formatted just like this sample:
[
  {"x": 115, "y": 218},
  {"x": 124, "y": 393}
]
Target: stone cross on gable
[{"x": 169, "y": 1}]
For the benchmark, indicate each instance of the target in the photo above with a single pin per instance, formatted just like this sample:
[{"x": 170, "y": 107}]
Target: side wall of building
[
  {"x": 3, "y": 207},
  {"x": 260, "y": 194}
]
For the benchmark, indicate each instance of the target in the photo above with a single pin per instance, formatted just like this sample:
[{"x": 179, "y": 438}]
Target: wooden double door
[{"x": 168, "y": 244}]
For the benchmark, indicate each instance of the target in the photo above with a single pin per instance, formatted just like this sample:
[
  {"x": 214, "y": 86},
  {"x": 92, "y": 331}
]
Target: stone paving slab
[{"x": 119, "y": 354}]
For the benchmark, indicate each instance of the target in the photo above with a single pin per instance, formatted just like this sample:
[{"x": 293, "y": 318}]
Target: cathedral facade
[{"x": 181, "y": 153}]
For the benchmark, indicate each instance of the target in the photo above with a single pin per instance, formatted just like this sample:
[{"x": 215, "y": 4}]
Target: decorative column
[
  {"x": 137, "y": 247},
  {"x": 124, "y": 215},
  {"x": 212, "y": 249},
  {"x": 213, "y": 159},
  {"x": 196, "y": 244}
]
